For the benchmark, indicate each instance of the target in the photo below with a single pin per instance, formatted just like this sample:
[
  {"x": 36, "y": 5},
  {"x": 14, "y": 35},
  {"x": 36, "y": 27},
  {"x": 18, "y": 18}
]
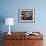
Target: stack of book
[{"x": 30, "y": 33}]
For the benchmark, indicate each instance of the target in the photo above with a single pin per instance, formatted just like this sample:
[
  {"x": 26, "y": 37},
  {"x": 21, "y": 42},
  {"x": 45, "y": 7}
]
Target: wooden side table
[{"x": 20, "y": 39}]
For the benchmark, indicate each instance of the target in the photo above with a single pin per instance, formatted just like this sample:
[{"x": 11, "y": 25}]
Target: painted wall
[{"x": 9, "y": 8}]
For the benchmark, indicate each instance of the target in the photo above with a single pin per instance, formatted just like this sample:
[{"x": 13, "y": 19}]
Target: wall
[{"x": 9, "y": 8}]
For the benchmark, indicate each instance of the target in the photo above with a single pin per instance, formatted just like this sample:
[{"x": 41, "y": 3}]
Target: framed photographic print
[{"x": 26, "y": 15}]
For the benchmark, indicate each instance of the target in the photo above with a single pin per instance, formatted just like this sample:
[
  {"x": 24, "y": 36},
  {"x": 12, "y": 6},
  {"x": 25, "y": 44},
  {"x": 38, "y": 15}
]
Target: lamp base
[{"x": 9, "y": 33}]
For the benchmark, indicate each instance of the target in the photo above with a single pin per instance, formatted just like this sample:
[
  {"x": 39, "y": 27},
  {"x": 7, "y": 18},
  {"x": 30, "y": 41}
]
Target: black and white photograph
[{"x": 26, "y": 15}]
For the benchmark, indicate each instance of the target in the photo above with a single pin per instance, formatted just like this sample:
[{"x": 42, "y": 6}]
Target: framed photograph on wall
[{"x": 26, "y": 15}]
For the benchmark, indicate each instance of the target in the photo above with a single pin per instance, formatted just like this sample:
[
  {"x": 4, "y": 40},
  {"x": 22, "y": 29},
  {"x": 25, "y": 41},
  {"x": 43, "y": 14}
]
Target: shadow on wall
[{"x": 2, "y": 21}]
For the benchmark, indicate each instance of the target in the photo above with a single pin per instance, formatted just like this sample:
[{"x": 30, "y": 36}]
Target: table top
[{"x": 22, "y": 35}]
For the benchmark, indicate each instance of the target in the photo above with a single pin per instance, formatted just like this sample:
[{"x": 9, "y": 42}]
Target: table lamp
[{"x": 9, "y": 21}]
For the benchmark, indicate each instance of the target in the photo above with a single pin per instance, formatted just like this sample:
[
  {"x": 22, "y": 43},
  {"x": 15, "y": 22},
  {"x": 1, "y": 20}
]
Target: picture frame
[{"x": 26, "y": 15}]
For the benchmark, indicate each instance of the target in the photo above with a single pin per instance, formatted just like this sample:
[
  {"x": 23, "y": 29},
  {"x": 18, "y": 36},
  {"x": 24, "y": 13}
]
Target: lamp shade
[{"x": 9, "y": 21}]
